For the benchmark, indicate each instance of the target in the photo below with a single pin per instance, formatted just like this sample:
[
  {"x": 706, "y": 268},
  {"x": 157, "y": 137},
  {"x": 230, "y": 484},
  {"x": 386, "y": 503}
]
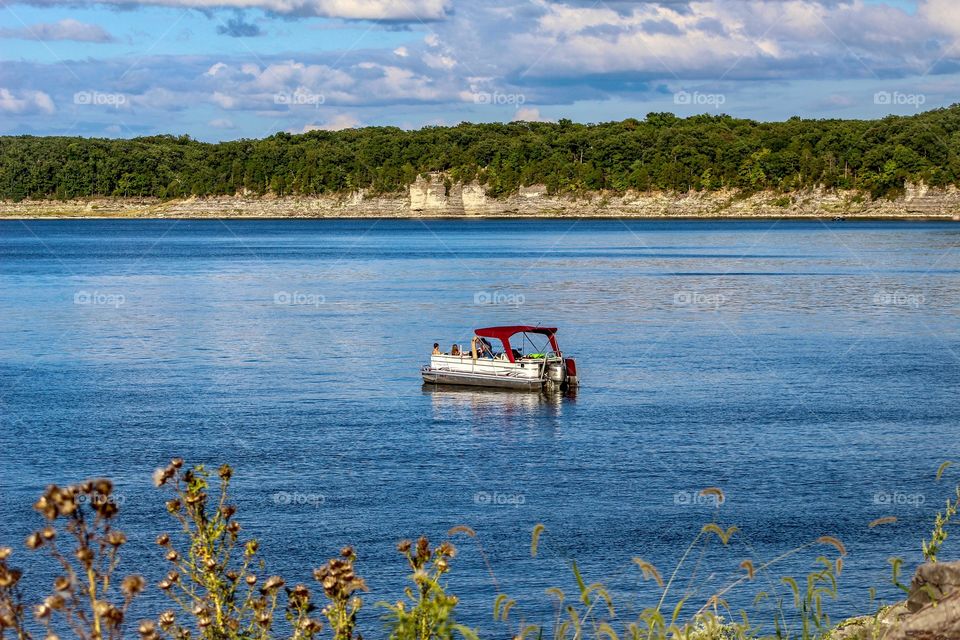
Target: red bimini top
[{"x": 503, "y": 334}]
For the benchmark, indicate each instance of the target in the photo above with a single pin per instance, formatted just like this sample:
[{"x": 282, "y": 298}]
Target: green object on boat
[{"x": 536, "y": 355}]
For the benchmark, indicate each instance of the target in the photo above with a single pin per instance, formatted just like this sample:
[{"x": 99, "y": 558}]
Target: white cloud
[
  {"x": 403, "y": 84},
  {"x": 67, "y": 29},
  {"x": 222, "y": 123},
  {"x": 529, "y": 114},
  {"x": 599, "y": 40},
  {"x": 25, "y": 102},
  {"x": 710, "y": 40},
  {"x": 336, "y": 123},
  {"x": 408, "y": 10},
  {"x": 279, "y": 86},
  {"x": 223, "y": 100},
  {"x": 571, "y": 58},
  {"x": 439, "y": 61},
  {"x": 163, "y": 99},
  {"x": 943, "y": 15},
  {"x": 214, "y": 69}
]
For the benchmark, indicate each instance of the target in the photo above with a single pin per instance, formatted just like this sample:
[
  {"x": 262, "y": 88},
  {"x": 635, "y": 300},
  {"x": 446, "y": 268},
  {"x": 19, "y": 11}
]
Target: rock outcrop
[
  {"x": 932, "y": 583},
  {"x": 931, "y": 611},
  {"x": 436, "y": 196}
]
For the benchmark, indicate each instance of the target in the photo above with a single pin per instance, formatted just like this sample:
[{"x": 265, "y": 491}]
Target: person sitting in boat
[
  {"x": 436, "y": 349},
  {"x": 455, "y": 351},
  {"x": 484, "y": 348}
]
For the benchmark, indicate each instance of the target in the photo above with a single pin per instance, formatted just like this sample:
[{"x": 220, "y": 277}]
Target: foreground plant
[
  {"x": 85, "y": 598},
  {"x": 11, "y": 599},
  {"x": 428, "y": 613},
  {"x": 592, "y": 613},
  {"x": 212, "y": 579},
  {"x": 340, "y": 586},
  {"x": 299, "y": 609},
  {"x": 944, "y": 518},
  {"x": 211, "y": 576}
]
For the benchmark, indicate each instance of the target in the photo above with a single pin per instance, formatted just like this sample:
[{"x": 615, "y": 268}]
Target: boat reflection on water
[{"x": 446, "y": 399}]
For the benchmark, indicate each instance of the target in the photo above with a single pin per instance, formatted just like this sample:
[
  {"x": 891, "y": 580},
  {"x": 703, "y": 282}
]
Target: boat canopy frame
[{"x": 503, "y": 334}]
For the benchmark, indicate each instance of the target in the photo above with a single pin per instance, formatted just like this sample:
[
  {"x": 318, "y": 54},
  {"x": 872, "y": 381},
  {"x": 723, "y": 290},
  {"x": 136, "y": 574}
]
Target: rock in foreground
[{"x": 931, "y": 612}]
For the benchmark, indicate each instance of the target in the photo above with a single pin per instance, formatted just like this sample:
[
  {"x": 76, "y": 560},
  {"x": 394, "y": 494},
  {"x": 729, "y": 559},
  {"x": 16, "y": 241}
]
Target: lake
[{"x": 810, "y": 370}]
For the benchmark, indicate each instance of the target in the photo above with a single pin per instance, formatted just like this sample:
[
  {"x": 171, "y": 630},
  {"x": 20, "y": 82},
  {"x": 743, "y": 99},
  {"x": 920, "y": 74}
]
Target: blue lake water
[{"x": 809, "y": 370}]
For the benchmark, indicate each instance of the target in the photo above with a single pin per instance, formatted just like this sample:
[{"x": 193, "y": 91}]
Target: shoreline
[
  {"x": 706, "y": 218},
  {"x": 432, "y": 199}
]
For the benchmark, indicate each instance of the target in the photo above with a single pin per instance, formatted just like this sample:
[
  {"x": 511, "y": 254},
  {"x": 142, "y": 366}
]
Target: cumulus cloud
[
  {"x": 216, "y": 68},
  {"x": 67, "y": 29},
  {"x": 162, "y": 99},
  {"x": 439, "y": 61},
  {"x": 745, "y": 39},
  {"x": 390, "y": 82},
  {"x": 25, "y": 102},
  {"x": 338, "y": 122},
  {"x": 944, "y": 14},
  {"x": 609, "y": 59},
  {"x": 529, "y": 114},
  {"x": 603, "y": 50},
  {"x": 223, "y": 100},
  {"x": 385, "y": 10}
]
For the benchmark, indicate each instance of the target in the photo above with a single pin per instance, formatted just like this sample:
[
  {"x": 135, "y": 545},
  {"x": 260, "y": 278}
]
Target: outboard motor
[{"x": 556, "y": 373}]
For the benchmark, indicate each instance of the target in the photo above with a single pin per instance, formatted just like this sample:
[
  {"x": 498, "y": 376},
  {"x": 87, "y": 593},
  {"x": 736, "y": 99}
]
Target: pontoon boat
[{"x": 528, "y": 366}]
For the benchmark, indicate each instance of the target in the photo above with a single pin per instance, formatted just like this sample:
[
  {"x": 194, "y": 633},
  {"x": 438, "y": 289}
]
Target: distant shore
[
  {"x": 585, "y": 216},
  {"x": 434, "y": 199}
]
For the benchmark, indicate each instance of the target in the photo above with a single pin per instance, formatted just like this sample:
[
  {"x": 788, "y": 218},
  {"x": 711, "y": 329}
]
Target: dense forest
[{"x": 660, "y": 152}]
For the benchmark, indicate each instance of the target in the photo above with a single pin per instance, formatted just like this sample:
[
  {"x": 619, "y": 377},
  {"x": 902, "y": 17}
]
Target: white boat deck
[{"x": 528, "y": 368}]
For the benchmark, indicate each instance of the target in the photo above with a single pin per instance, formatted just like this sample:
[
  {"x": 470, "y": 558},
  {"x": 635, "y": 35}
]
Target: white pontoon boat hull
[
  {"x": 526, "y": 374},
  {"x": 435, "y": 376}
]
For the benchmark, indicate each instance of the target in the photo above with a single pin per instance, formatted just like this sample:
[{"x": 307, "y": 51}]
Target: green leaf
[
  {"x": 943, "y": 467},
  {"x": 535, "y": 539},
  {"x": 584, "y": 592},
  {"x": 789, "y": 581},
  {"x": 466, "y": 632},
  {"x": 677, "y": 609}
]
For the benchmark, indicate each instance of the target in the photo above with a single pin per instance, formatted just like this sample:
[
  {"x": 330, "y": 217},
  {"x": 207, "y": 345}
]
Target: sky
[{"x": 229, "y": 69}]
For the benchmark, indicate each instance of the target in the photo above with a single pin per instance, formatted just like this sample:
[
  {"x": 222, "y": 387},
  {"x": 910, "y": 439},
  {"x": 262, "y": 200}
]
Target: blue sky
[{"x": 226, "y": 69}]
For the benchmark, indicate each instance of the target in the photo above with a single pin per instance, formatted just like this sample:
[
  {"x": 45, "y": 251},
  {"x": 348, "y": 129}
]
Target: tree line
[{"x": 660, "y": 152}]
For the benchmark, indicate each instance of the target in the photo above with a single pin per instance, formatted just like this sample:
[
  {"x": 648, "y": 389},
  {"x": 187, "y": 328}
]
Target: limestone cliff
[{"x": 437, "y": 197}]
